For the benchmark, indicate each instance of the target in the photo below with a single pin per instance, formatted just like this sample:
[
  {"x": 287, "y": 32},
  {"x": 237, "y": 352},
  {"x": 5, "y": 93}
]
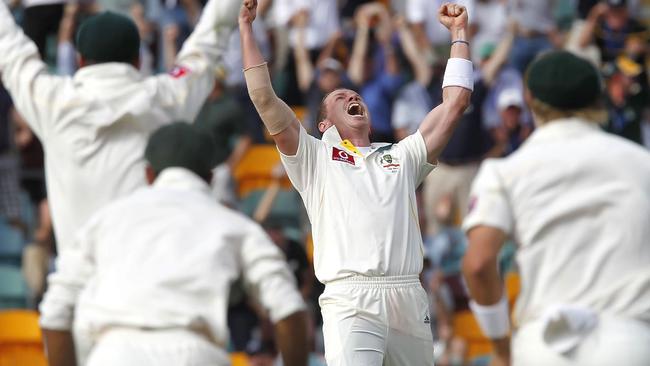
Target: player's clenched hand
[
  {"x": 248, "y": 11},
  {"x": 452, "y": 16}
]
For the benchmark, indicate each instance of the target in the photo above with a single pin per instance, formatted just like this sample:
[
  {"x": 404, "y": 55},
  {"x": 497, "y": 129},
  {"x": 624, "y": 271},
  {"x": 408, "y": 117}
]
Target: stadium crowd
[{"x": 393, "y": 53}]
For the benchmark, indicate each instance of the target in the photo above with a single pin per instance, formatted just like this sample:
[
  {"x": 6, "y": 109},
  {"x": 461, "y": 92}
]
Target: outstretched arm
[
  {"x": 278, "y": 118},
  {"x": 186, "y": 87},
  {"x": 34, "y": 91},
  {"x": 439, "y": 124},
  {"x": 419, "y": 64}
]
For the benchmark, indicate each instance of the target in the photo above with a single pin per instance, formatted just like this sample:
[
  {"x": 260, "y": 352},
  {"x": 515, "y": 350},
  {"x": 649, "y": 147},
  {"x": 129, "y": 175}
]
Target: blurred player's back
[{"x": 593, "y": 229}]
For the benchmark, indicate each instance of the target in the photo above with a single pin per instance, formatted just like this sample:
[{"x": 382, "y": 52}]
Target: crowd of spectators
[{"x": 393, "y": 53}]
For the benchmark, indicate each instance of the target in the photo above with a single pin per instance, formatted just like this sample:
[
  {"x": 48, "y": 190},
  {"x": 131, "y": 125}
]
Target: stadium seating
[
  {"x": 13, "y": 289},
  {"x": 20, "y": 339},
  {"x": 255, "y": 170},
  {"x": 12, "y": 242},
  {"x": 284, "y": 211}
]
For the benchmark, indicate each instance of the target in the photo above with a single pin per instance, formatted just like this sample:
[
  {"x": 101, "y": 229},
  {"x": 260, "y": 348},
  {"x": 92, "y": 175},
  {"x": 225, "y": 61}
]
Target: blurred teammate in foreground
[
  {"x": 94, "y": 125},
  {"x": 576, "y": 200},
  {"x": 360, "y": 198},
  {"x": 149, "y": 274}
]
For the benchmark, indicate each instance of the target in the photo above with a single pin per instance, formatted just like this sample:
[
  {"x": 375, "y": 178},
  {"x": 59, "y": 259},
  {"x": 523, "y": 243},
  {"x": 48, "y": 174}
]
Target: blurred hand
[
  {"x": 453, "y": 16},
  {"x": 301, "y": 18},
  {"x": 171, "y": 33},
  {"x": 248, "y": 12},
  {"x": 499, "y": 361},
  {"x": 598, "y": 10}
]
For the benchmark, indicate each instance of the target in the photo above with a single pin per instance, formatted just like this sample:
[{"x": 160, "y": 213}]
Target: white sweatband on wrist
[
  {"x": 459, "y": 72},
  {"x": 494, "y": 320},
  {"x": 275, "y": 113}
]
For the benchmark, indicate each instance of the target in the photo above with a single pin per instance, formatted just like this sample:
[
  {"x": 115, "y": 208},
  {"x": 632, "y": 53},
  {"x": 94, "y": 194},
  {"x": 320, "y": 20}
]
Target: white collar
[
  {"x": 113, "y": 72},
  {"x": 332, "y": 137},
  {"x": 562, "y": 128},
  {"x": 181, "y": 178}
]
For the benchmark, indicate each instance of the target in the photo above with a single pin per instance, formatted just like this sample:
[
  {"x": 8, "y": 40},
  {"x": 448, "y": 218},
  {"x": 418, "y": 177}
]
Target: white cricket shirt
[
  {"x": 362, "y": 208},
  {"x": 577, "y": 202},
  {"x": 165, "y": 257},
  {"x": 94, "y": 126}
]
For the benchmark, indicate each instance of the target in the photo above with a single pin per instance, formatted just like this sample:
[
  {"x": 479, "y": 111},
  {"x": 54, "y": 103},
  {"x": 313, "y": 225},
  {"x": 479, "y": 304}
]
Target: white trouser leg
[{"x": 371, "y": 321}]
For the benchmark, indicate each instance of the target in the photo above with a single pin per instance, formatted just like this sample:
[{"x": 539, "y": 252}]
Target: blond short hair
[{"x": 544, "y": 113}]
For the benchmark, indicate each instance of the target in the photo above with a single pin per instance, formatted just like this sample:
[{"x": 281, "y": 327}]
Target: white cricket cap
[{"x": 510, "y": 98}]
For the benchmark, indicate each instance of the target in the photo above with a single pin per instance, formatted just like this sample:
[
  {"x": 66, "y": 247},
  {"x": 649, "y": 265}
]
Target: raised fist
[
  {"x": 248, "y": 11},
  {"x": 452, "y": 16}
]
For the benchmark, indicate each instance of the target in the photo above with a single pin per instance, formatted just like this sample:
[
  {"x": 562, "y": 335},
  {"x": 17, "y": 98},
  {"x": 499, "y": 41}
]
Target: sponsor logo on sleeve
[
  {"x": 340, "y": 155},
  {"x": 179, "y": 71}
]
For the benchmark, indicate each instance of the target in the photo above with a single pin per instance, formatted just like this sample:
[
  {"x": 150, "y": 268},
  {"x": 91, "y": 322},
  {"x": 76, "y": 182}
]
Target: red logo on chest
[{"x": 340, "y": 155}]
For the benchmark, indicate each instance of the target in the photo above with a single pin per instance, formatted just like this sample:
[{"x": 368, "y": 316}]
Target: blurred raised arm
[{"x": 439, "y": 124}]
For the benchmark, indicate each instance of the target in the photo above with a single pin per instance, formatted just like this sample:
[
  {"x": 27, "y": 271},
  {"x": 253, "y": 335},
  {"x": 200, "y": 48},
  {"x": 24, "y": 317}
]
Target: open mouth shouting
[{"x": 355, "y": 109}]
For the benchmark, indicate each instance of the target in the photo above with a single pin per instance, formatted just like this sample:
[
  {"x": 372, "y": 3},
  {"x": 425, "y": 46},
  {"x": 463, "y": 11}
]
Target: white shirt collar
[
  {"x": 332, "y": 137},
  {"x": 109, "y": 71},
  {"x": 181, "y": 178},
  {"x": 562, "y": 128}
]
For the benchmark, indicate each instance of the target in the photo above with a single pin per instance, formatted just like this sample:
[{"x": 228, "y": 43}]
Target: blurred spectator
[
  {"x": 221, "y": 118},
  {"x": 626, "y": 98},
  {"x": 178, "y": 19},
  {"x": 316, "y": 82},
  {"x": 322, "y": 23},
  {"x": 374, "y": 68},
  {"x": 295, "y": 254},
  {"x": 490, "y": 21},
  {"x": 471, "y": 141},
  {"x": 432, "y": 38},
  {"x": 610, "y": 25},
  {"x": 9, "y": 169},
  {"x": 512, "y": 131},
  {"x": 536, "y": 30}
]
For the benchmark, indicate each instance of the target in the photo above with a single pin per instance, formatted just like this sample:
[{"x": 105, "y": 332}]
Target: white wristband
[
  {"x": 459, "y": 72},
  {"x": 494, "y": 320}
]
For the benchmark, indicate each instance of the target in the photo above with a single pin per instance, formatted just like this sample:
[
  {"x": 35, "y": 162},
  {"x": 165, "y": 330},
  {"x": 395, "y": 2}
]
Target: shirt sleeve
[
  {"x": 416, "y": 156},
  {"x": 74, "y": 267},
  {"x": 184, "y": 89},
  {"x": 303, "y": 168},
  {"x": 34, "y": 91},
  {"x": 266, "y": 271},
  {"x": 488, "y": 202}
]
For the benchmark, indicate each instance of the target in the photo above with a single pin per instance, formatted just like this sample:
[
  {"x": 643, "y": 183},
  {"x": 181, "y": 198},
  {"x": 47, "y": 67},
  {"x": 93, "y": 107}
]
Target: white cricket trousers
[
  {"x": 134, "y": 347},
  {"x": 375, "y": 321},
  {"x": 614, "y": 341}
]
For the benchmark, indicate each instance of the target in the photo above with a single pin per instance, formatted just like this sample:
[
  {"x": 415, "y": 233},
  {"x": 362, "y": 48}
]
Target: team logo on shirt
[
  {"x": 389, "y": 162},
  {"x": 340, "y": 155}
]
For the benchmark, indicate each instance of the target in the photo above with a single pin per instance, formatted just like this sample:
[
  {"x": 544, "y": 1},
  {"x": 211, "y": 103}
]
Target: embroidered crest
[{"x": 389, "y": 162}]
